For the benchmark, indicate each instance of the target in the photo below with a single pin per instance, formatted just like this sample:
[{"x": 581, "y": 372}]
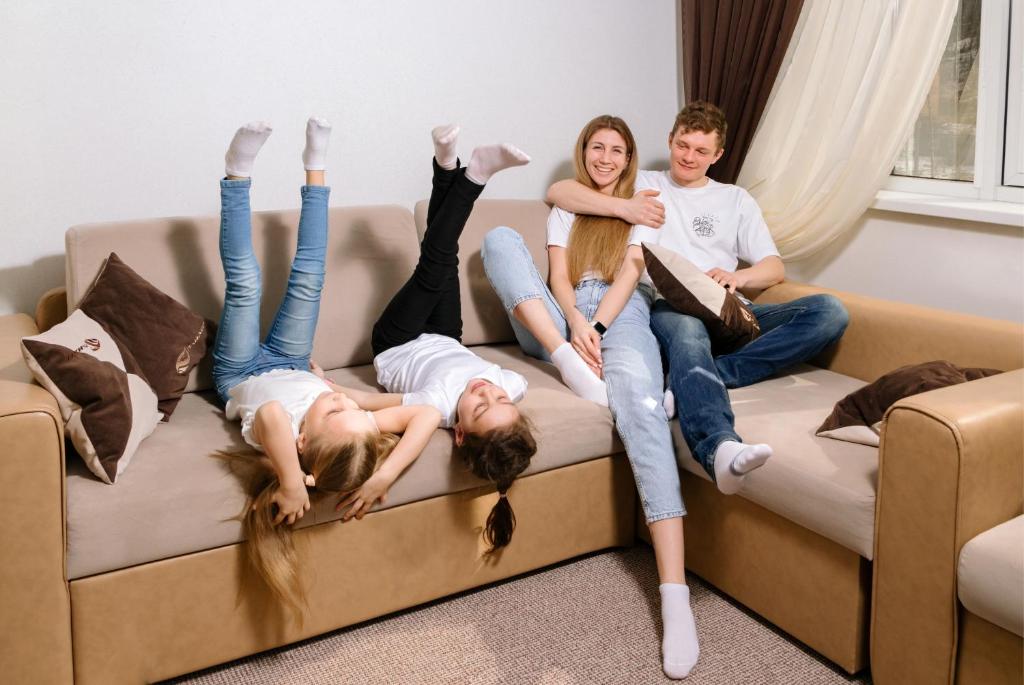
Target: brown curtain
[{"x": 732, "y": 51}]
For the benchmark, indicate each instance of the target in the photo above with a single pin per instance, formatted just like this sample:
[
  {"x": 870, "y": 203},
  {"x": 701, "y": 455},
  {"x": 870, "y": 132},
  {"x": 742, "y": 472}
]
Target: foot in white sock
[
  {"x": 242, "y": 152},
  {"x": 578, "y": 376},
  {"x": 445, "y": 138},
  {"x": 318, "y": 133},
  {"x": 490, "y": 159},
  {"x": 734, "y": 460},
  {"x": 679, "y": 646},
  {"x": 669, "y": 403}
]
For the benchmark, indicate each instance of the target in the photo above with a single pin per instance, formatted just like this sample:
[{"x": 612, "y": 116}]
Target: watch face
[{"x": 599, "y": 327}]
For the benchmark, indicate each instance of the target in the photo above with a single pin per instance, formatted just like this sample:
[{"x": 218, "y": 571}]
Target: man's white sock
[
  {"x": 445, "y": 138},
  {"x": 318, "y": 133},
  {"x": 734, "y": 460},
  {"x": 490, "y": 159},
  {"x": 679, "y": 647},
  {"x": 242, "y": 152},
  {"x": 578, "y": 376}
]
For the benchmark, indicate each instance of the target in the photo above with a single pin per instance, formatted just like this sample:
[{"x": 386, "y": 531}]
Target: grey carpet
[{"x": 591, "y": 620}]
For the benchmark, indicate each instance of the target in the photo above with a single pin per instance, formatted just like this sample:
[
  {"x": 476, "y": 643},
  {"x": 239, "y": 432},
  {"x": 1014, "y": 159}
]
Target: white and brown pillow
[
  {"x": 729, "y": 321},
  {"x": 107, "y": 405},
  {"x": 858, "y": 416}
]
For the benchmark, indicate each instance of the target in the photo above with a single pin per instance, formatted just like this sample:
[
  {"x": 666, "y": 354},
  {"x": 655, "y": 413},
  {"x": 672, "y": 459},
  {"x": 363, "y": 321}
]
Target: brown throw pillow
[
  {"x": 107, "y": 406},
  {"x": 166, "y": 338},
  {"x": 858, "y": 416},
  {"x": 729, "y": 321}
]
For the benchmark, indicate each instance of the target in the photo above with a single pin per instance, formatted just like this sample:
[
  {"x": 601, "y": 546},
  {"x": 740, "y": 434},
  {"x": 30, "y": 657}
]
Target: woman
[{"x": 593, "y": 323}]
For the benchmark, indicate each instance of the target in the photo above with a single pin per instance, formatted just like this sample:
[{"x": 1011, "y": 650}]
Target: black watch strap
[{"x": 600, "y": 328}]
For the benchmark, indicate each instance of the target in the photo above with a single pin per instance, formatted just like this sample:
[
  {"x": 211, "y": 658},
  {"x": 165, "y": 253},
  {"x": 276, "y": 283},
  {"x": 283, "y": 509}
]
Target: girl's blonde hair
[
  {"x": 337, "y": 468},
  {"x": 598, "y": 243}
]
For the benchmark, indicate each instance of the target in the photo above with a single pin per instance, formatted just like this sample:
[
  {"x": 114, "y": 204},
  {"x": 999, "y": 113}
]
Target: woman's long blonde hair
[
  {"x": 336, "y": 468},
  {"x": 598, "y": 243}
]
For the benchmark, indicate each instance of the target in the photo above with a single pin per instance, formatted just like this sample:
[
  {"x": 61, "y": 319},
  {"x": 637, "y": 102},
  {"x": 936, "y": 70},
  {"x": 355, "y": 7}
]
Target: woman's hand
[
  {"x": 361, "y": 500},
  {"x": 726, "y": 279},
  {"x": 587, "y": 343},
  {"x": 292, "y": 502}
]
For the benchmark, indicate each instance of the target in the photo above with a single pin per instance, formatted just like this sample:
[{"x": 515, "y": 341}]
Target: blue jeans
[
  {"x": 791, "y": 332},
  {"x": 632, "y": 365},
  {"x": 238, "y": 352}
]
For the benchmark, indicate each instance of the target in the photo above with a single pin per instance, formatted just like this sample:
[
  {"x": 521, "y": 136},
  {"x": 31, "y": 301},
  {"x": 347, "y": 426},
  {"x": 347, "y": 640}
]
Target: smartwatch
[{"x": 599, "y": 327}]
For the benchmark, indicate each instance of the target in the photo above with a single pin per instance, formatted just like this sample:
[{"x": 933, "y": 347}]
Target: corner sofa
[{"x": 146, "y": 579}]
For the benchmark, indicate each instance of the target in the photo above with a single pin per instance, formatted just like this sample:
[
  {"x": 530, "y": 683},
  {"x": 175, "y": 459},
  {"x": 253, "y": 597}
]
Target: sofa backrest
[
  {"x": 371, "y": 252},
  {"x": 483, "y": 318}
]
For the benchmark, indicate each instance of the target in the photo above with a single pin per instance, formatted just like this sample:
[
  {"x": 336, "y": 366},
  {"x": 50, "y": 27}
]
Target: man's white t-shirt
[
  {"x": 713, "y": 226},
  {"x": 560, "y": 226},
  {"x": 295, "y": 390},
  {"x": 435, "y": 369}
]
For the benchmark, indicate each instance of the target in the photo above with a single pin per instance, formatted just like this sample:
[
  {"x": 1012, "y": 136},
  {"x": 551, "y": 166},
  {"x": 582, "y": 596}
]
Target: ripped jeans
[{"x": 632, "y": 365}]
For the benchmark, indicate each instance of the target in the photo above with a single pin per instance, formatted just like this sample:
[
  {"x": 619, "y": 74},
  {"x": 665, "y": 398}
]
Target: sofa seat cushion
[
  {"x": 827, "y": 486},
  {"x": 176, "y": 499},
  {"x": 990, "y": 575}
]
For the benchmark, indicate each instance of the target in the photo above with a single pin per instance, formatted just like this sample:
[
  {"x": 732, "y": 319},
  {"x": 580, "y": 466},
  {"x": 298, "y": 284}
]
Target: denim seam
[
  {"x": 523, "y": 298},
  {"x": 669, "y": 515}
]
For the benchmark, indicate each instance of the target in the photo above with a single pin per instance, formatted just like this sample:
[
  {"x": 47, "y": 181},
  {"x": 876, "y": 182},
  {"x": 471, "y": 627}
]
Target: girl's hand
[
  {"x": 587, "y": 343},
  {"x": 292, "y": 502},
  {"x": 360, "y": 501}
]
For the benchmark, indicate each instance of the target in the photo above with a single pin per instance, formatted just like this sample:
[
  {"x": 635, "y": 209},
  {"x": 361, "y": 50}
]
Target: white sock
[
  {"x": 242, "y": 152},
  {"x": 578, "y": 376},
  {"x": 669, "y": 403},
  {"x": 490, "y": 159},
  {"x": 734, "y": 460},
  {"x": 679, "y": 646},
  {"x": 318, "y": 133},
  {"x": 445, "y": 138}
]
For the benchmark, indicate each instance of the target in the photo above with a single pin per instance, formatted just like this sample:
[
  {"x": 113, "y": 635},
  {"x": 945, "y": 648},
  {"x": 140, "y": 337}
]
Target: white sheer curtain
[{"x": 857, "y": 78}]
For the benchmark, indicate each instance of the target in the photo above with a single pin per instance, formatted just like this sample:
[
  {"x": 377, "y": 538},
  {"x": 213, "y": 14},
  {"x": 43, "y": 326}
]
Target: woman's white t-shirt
[
  {"x": 295, "y": 390},
  {"x": 560, "y": 226},
  {"x": 435, "y": 369}
]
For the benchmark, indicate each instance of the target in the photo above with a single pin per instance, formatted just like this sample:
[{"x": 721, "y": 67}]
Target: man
[{"x": 714, "y": 225}]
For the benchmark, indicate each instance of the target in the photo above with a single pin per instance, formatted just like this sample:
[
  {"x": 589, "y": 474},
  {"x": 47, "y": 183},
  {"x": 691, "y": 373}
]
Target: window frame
[{"x": 994, "y": 58}]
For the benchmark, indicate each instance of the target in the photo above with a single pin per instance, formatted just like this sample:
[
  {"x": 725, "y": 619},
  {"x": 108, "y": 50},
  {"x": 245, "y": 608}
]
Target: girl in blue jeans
[
  {"x": 593, "y": 323},
  {"x": 308, "y": 437}
]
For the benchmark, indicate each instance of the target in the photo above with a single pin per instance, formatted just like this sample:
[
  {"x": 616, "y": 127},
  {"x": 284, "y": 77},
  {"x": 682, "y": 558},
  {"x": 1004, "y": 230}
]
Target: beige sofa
[{"x": 146, "y": 579}]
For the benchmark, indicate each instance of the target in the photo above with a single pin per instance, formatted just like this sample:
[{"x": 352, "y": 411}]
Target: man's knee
[
  {"x": 831, "y": 314},
  {"x": 677, "y": 329}
]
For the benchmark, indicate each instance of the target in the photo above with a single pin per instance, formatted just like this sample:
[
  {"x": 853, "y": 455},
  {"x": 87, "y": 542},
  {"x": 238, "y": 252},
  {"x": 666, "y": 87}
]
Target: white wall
[
  {"x": 119, "y": 110},
  {"x": 961, "y": 266}
]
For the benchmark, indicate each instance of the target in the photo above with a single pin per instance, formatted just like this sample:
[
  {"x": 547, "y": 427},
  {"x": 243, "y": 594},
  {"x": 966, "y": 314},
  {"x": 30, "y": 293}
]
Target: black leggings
[{"x": 429, "y": 302}]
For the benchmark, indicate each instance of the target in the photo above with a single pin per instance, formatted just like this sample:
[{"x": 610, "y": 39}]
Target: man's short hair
[{"x": 702, "y": 116}]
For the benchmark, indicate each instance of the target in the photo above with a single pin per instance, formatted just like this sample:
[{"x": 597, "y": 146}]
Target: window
[{"x": 967, "y": 140}]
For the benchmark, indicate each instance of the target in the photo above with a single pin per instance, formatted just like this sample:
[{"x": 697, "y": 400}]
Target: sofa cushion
[
  {"x": 166, "y": 338},
  {"x": 990, "y": 575},
  {"x": 827, "y": 486},
  {"x": 729, "y": 321},
  {"x": 176, "y": 499},
  {"x": 106, "y": 403},
  {"x": 371, "y": 252}
]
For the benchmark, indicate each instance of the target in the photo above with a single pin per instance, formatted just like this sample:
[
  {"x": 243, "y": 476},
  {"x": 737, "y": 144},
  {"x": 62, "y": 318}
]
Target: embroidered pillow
[
  {"x": 729, "y": 321},
  {"x": 166, "y": 338},
  {"x": 858, "y": 416},
  {"x": 107, "y": 406}
]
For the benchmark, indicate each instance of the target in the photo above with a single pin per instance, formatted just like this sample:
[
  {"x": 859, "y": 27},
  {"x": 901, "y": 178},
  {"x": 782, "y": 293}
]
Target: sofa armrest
[
  {"x": 951, "y": 465},
  {"x": 884, "y": 335},
  {"x": 35, "y": 635}
]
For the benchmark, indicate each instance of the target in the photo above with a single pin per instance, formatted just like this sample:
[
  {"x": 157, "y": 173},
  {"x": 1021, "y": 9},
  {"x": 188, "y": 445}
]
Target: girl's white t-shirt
[
  {"x": 435, "y": 369},
  {"x": 560, "y": 226},
  {"x": 295, "y": 390},
  {"x": 713, "y": 226}
]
